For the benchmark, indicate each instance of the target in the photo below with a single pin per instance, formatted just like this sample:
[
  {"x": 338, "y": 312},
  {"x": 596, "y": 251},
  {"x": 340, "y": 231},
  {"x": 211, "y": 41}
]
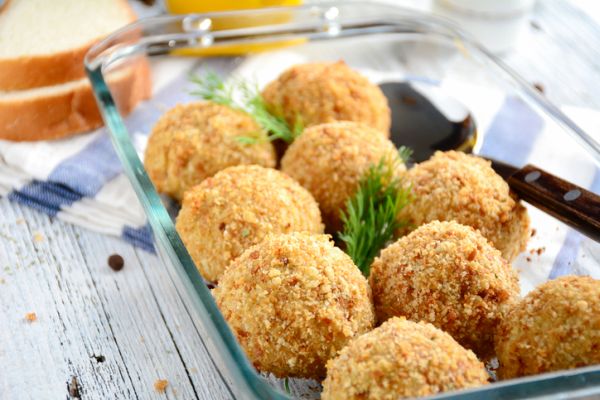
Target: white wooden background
[{"x": 119, "y": 332}]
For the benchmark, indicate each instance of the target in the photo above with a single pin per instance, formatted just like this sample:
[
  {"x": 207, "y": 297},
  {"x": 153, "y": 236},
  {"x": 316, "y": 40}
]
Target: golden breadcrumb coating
[
  {"x": 293, "y": 301},
  {"x": 193, "y": 141},
  {"x": 401, "y": 359},
  {"x": 455, "y": 186},
  {"x": 317, "y": 93},
  {"x": 237, "y": 208},
  {"x": 449, "y": 275},
  {"x": 556, "y": 326},
  {"x": 330, "y": 159}
]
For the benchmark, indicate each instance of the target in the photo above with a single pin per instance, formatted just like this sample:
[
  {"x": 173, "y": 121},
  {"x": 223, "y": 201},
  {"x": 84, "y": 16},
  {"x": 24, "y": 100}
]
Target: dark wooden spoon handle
[{"x": 571, "y": 204}]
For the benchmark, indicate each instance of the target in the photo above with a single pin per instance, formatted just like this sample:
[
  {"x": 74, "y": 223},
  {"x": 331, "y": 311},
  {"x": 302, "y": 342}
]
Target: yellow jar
[{"x": 204, "y": 6}]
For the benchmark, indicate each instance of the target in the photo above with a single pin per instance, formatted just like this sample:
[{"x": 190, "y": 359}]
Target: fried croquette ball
[
  {"x": 449, "y": 275},
  {"x": 237, "y": 208},
  {"x": 456, "y": 186},
  {"x": 401, "y": 359},
  {"x": 194, "y": 141},
  {"x": 317, "y": 93},
  {"x": 556, "y": 326},
  {"x": 330, "y": 159},
  {"x": 293, "y": 301}
]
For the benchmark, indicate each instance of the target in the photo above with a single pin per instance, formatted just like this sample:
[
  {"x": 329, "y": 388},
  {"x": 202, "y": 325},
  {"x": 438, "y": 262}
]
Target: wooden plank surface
[
  {"x": 119, "y": 332},
  {"x": 116, "y": 332},
  {"x": 561, "y": 51}
]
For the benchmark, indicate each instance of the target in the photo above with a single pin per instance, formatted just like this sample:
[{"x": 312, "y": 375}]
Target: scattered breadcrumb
[
  {"x": 38, "y": 237},
  {"x": 2, "y": 281},
  {"x": 7, "y": 237},
  {"x": 537, "y": 251},
  {"x": 533, "y": 232},
  {"x": 528, "y": 259},
  {"x": 161, "y": 385},
  {"x": 74, "y": 388},
  {"x": 20, "y": 221},
  {"x": 31, "y": 317},
  {"x": 539, "y": 87}
]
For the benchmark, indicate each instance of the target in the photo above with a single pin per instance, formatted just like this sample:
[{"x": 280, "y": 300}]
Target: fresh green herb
[
  {"x": 405, "y": 153},
  {"x": 241, "y": 95},
  {"x": 211, "y": 87},
  {"x": 286, "y": 385},
  {"x": 247, "y": 139},
  {"x": 370, "y": 219}
]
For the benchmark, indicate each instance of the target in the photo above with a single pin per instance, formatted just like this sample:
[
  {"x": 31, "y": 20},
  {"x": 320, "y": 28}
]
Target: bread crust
[
  {"x": 45, "y": 70},
  {"x": 23, "y": 73},
  {"x": 71, "y": 111}
]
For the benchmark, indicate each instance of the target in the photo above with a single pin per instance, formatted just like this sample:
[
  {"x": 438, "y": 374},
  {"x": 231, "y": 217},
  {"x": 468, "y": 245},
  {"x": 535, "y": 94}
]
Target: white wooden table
[{"x": 117, "y": 333}]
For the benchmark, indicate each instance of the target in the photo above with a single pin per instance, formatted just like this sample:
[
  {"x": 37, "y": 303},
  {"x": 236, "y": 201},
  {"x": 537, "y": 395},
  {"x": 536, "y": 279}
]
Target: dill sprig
[
  {"x": 370, "y": 219},
  {"x": 405, "y": 153},
  {"x": 241, "y": 95},
  {"x": 211, "y": 87}
]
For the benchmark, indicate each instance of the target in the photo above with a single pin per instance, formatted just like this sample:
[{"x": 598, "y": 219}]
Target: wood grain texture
[
  {"x": 565, "y": 201},
  {"x": 106, "y": 328},
  {"x": 137, "y": 319},
  {"x": 560, "y": 51},
  {"x": 571, "y": 204}
]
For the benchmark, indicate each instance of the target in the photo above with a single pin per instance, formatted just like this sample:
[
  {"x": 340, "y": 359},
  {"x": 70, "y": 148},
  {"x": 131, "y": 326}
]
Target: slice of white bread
[
  {"x": 43, "y": 42},
  {"x": 57, "y": 111}
]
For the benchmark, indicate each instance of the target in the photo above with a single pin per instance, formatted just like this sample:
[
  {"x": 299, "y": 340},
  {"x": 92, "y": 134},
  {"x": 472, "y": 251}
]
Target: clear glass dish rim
[{"x": 326, "y": 24}]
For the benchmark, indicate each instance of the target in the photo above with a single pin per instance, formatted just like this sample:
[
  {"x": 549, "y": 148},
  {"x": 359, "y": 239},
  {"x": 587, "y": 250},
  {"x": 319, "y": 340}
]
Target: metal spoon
[{"x": 428, "y": 120}]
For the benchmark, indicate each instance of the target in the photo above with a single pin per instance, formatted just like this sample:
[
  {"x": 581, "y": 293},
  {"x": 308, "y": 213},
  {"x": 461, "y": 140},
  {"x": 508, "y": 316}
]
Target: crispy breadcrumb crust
[
  {"x": 194, "y": 141},
  {"x": 237, "y": 208},
  {"x": 330, "y": 159},
  {"x": 401, "y": 359},
  {"x": 556, "y": 326},
  {"x": 455, "y": 186},
  {"x": 449, "y": 275},
  {"x": 293, "y": 301},
  {"x": 317, "y": 93}
]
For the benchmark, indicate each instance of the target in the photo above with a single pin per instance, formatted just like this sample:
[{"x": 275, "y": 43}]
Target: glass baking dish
[{"x": 384, "y": 42}]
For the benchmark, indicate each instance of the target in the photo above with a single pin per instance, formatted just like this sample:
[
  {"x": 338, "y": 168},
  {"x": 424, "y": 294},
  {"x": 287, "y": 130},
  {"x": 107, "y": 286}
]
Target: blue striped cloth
[{"x": 79, "y": 180}]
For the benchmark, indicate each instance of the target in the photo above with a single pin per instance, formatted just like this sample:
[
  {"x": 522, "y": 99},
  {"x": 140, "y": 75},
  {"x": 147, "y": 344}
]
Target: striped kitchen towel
[{"x": 79, "y": 180}]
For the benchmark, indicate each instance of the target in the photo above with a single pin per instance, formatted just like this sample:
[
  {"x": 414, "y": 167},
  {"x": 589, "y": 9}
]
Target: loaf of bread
[
  {"x": 44, "y": 93},
  {"x": 57, "y": 111},
  {"x": 43, "y": 42}
]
